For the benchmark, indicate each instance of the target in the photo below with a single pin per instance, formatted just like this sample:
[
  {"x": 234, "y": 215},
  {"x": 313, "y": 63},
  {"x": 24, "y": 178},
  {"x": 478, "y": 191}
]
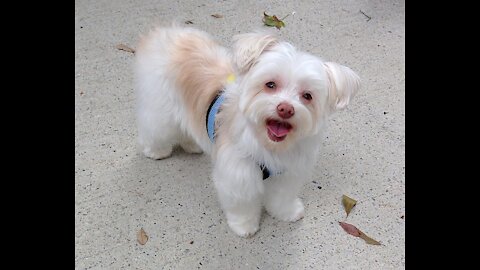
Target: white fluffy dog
[{"x": 258, "y": 110}]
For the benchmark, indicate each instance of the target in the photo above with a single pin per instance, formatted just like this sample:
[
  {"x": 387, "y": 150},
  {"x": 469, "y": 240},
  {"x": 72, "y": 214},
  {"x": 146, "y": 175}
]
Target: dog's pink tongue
[{"x": 277, "y": 128}]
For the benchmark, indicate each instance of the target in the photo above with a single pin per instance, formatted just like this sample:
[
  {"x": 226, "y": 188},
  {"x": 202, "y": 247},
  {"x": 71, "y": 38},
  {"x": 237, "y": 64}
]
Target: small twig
[
  {"x": 284, "y": 17},
  {"x": 369, "y": 18},
  {"x": 125, "y": 48},
  {"x": 293, "y": 13}
]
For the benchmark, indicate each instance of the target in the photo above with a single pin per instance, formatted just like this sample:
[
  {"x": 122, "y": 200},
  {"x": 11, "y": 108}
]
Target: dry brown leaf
[
  {"x": 123, "y": 47},
  {"x": 142, "y": 237},
  {"x": 352, "y": 230},
  {"x": 348, "y": 203},
  {"x": 218, "y": 16}
]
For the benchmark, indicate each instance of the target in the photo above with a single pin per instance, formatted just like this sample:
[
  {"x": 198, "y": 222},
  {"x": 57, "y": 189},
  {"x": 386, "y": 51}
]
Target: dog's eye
[
  {"x": 307, "y": 96},
  {"x": 271, "y": 85}
]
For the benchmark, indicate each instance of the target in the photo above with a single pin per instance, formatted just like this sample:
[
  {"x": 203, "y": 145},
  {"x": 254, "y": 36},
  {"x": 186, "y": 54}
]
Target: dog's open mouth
[{"x": 277, "y": 130}]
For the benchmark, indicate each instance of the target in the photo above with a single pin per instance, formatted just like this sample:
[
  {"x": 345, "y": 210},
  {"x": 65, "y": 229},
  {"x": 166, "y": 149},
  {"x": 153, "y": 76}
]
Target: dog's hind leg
[
  {"x": 156, "y": 142},
  {"x": 189, "y": 145},
  {"x": 158, "y": 128},
  {"x": 157, "y": 131}
]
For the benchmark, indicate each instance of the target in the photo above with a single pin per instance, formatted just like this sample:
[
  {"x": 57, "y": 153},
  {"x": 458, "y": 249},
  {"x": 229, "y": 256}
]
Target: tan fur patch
[{"x": 201, "y": 68}]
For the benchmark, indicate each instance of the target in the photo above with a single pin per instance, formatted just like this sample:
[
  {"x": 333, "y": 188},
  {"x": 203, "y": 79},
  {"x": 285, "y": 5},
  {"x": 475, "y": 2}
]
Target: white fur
[{"x": 242, "y": 143}]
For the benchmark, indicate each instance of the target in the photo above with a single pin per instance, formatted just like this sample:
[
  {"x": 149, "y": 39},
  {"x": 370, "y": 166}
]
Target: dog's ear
[
  {"x": 343, "y": 84},
  {"x": 248, "y": 47}
]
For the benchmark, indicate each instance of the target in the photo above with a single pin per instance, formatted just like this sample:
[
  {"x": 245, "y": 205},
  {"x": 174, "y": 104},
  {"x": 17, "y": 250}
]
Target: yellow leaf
[
  {"x": 272, "y": 21},
  {"x": 368, "y": 239},
  {"x": 348, "y": 203}
]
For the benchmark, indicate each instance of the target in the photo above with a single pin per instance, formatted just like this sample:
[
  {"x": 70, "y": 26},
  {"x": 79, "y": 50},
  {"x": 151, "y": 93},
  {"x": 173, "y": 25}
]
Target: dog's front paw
[
  {"x": 244, "y": 225},
  {"x": 298, "y": 211},
  {"x": 291, "y": 212},
  {"x": 244, "y": 229}
]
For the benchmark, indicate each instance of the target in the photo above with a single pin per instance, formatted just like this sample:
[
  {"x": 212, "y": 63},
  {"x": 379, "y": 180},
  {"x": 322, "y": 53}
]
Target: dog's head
[{"x": 286, "y": 94}]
